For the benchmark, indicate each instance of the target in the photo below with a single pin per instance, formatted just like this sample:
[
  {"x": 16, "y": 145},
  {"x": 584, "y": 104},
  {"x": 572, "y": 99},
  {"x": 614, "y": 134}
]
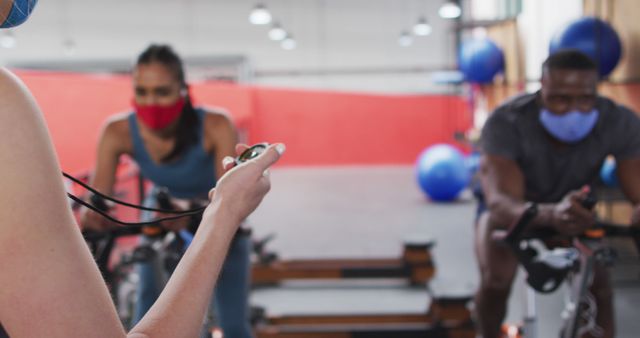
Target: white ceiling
[{"x": 340, "y": 37}]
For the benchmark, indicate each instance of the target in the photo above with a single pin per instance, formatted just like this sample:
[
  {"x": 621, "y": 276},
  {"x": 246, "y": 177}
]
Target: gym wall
[
  {"x": 623, "y": 16},
  {"x": 319, "y": 127}
]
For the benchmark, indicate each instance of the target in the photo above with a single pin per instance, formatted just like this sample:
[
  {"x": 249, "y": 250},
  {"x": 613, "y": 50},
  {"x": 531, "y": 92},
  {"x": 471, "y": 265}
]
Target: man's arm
[
  {"x": 629, "y": 178},
  {"x": 504, "y": 190},
  {"x": 626, "y": 150}
]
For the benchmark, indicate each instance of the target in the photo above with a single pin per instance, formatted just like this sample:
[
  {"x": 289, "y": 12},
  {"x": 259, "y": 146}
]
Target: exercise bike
[
  {"x": 163, "y": 249},
  {"x": 575, "y": 265}
]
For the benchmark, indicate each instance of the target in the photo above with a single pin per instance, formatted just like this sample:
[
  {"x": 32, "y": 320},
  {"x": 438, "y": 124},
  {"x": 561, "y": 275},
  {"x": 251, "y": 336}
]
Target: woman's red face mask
[
  {"x": 159, "y": 97},
  {"x": 158, "y": 117}
]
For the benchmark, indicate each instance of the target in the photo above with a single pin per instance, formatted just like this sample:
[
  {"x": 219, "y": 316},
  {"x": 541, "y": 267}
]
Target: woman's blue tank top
[{"x": 191, "y": 175}]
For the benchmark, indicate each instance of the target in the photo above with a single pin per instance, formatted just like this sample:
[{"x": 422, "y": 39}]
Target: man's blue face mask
[
  {"x": 570, "y": 127},
  {"x": 19, "y": 13}
]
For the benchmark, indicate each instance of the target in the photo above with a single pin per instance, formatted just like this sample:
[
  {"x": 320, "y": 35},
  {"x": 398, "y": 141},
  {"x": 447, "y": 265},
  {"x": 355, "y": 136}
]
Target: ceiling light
[
  {"x": 450, "y": 10},
  {"x": 7, "y": 40},
  {"x": 260, "y": 15},
  {"x": 422, "y": 27},
  {"x": 69, "y": 47},
  {"x": 405, "y": 39},
  {"x": 288, "y": 43},
  {"x": 277, "y": 33}
]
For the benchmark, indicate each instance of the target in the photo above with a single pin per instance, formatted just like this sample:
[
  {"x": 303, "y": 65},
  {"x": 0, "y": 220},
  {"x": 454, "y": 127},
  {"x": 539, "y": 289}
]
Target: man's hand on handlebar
[{"x": 570, "y": 216}]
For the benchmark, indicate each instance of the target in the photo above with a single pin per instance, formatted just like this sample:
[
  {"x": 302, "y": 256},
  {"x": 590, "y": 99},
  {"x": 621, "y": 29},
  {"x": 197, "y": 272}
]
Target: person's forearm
[
  {"x": 180, "y": 309},
  {"x": 635, "y": 215},
  {"x": 505, "y": 211}
]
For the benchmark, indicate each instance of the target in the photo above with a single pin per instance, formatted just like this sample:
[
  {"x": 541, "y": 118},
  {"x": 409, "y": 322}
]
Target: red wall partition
[
  {"x": 75, "y": 107},
  {"x": 319, "y": 127},
  {"x": 329, "y": 128}
]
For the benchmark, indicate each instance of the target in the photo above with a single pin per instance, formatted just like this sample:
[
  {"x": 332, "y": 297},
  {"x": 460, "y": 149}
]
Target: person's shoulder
[
  {"x": 218, "y": 126},
  {"x": 9, "y": 80},
  {"x": 117, "y": 133},
  {"x": 514, "y": 108},
  {"x": 615, "y": 112},
  {"x": 606, "y": 104},
  {"x": 216, "y": 117},
  {"x": 117, "y": 124},
  {"x": 12, "y": 89},
  {"x": 517, "y": 104},
  {"x": 19, "y": 107}
]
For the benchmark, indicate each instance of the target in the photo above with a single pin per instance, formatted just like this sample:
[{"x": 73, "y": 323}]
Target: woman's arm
[
  {"x": 114, "y": 141},
  {"x": 179, "y": 310},
  {"x": 50, "y": 286},
  {"x": 221, "y": 138}
]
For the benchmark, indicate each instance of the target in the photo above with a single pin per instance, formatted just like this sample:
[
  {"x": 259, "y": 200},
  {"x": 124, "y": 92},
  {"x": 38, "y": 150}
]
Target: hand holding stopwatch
[{"x": 252, "y": 152}]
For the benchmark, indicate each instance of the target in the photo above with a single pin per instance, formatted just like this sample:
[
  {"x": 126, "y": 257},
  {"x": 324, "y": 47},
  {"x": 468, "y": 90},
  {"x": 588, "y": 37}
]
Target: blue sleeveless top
[{"x": 191, "y": 175}]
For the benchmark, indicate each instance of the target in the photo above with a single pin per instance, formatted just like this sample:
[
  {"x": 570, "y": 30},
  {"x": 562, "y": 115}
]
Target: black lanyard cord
[
  {"x": 152, "y": 222},
  {"x": 135, "y": 206}
]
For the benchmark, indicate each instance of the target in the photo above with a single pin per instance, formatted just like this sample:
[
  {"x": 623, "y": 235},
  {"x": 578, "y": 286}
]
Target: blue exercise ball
[
  {"x": 441, "y": 172},
  {"x": 480, "y": 60},
  {"x": 593, "y": 37},
  {"x": 608, "y": 173}
]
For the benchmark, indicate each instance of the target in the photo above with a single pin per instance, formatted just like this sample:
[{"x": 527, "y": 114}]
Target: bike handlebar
[{"x": 544, "y": 273}]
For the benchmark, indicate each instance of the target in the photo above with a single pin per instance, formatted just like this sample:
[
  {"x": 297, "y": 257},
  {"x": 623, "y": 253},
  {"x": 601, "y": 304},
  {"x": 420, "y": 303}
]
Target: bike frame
[{"x": 592, "y": 251}]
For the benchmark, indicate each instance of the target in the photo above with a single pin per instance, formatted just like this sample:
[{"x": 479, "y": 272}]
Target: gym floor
[{"x": 360, "y": 212}]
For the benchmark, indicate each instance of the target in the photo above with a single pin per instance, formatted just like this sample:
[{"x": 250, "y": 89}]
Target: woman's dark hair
[{"x": 187, "y": 130}]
